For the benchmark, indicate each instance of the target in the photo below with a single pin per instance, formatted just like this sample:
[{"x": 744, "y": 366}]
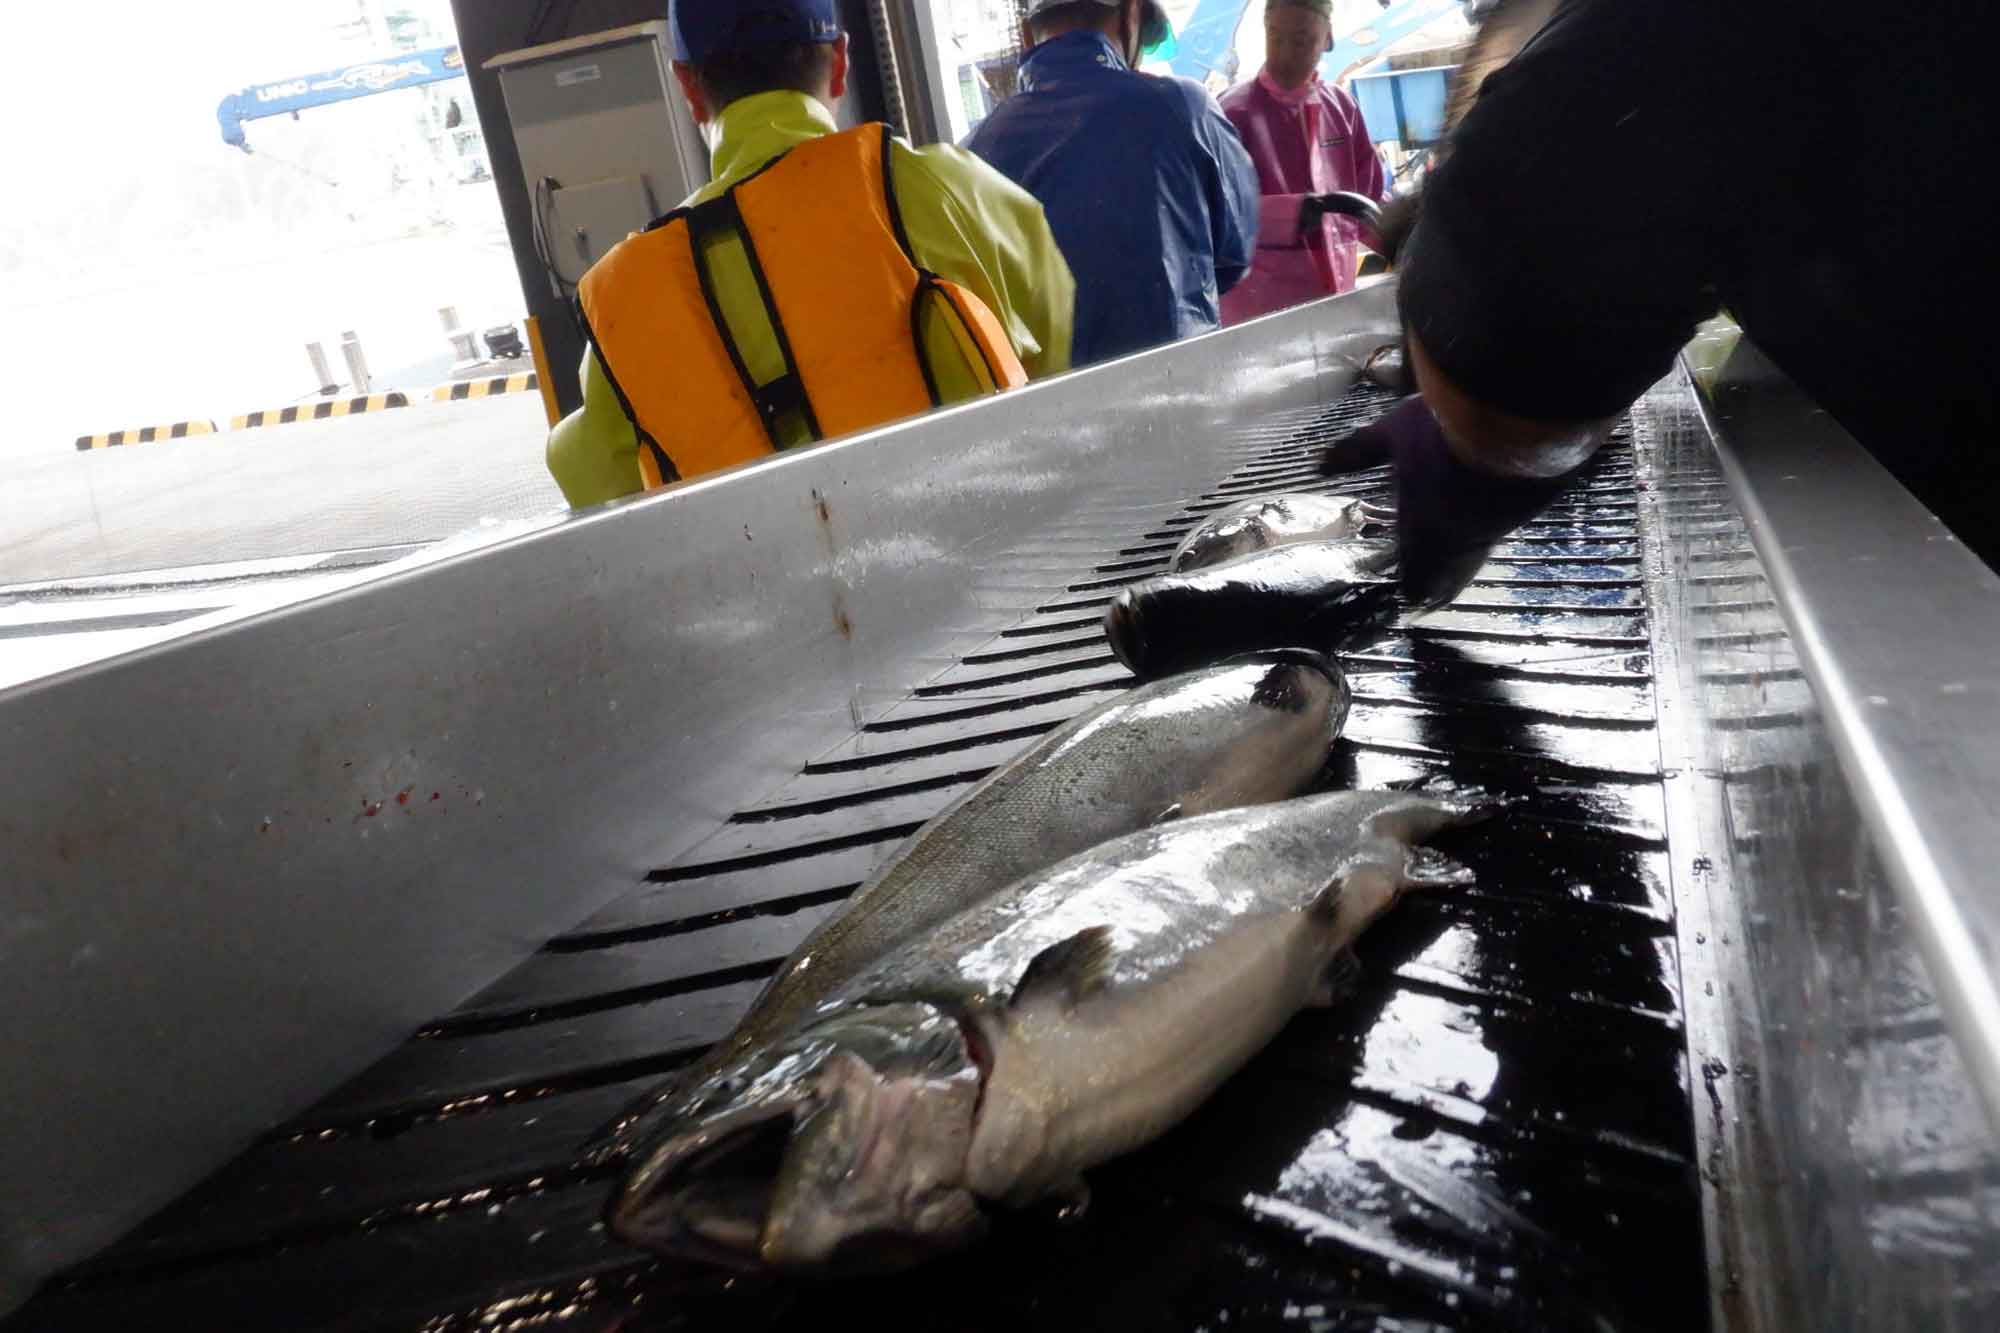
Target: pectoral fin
[
  {"x": 1068, "y": 970},
  {"x": 1429, "y": 868},
  {"x": 1342, "y": 979}
]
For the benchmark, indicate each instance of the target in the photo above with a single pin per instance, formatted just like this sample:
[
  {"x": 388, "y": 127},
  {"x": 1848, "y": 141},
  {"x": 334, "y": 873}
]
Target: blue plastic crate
[{"x": 1406, "y": 105}]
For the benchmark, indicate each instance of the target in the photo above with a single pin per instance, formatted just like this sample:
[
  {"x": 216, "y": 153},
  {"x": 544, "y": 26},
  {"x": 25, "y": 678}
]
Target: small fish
[
  {"x": 1076, "y": 1015},
  {"x": 1239, "y": 733},
  {"x": 1388, "y": 367},
  {"x": 1308, "y": 594},
  {"x": 1255, "y": 525}
]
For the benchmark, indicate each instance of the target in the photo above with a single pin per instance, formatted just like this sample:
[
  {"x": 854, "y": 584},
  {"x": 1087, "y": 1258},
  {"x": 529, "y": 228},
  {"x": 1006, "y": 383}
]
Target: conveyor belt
[{"x": 1493, "y": 1133}]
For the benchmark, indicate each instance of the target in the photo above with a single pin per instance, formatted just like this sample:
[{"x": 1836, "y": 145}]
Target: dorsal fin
[{"x": 1070, "y": 969}]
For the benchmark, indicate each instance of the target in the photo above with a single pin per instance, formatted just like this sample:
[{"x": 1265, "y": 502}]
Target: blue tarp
[{"x": 1208, "y": 37}]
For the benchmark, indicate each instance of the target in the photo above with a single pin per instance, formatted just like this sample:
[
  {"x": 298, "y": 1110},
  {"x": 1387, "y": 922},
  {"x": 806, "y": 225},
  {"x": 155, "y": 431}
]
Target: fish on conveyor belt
[
  {"x": 1388, "y": 367},
  {"x": 1256, "y": 525},
  {"x": 1242, "y": 732},
  {"x": 1306, "y": 594},
  {"x": 1076, "y": 1015}
]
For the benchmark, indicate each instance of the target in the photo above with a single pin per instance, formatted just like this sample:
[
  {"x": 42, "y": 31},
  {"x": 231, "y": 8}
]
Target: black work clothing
[{"x": 1823, "y": 172}]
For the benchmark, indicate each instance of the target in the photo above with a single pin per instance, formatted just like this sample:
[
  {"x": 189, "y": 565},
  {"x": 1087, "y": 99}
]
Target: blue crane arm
[
  {"x": 1207, "y": 38},
  {"x": 410, "y": 70}
]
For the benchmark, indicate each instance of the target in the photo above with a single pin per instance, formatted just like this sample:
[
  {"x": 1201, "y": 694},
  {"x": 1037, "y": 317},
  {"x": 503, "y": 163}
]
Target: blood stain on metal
[
  {"x": 1713, "y": 1069},
  {"x": 842, "y": 624}
]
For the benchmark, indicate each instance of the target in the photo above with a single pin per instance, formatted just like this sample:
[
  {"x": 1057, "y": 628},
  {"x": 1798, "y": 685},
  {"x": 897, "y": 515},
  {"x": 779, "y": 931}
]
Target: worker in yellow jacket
[{"x": 823, "y": 282}]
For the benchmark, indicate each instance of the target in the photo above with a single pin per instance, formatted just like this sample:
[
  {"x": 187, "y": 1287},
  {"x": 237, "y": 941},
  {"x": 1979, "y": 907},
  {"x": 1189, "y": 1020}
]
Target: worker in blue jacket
[{"x": 1150, "y": 194}]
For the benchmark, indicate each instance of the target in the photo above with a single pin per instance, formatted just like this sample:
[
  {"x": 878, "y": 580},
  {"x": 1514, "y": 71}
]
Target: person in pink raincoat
[{"x": 1307, "y": 138}]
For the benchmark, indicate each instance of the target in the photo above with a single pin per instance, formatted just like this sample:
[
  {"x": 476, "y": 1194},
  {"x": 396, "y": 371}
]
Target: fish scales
[
  {"x": 1070, "y": 1017},
  {"x": 1255, "y": 729}
]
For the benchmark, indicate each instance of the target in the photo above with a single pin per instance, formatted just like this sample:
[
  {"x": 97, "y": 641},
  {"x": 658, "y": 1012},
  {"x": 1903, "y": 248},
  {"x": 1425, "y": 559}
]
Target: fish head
[
  {"x": 841, "y": 1148},
  {"x": 1123, "y": 629}
]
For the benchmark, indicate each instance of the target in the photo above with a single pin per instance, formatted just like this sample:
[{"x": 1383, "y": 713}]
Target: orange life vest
[{"x": 821, "y": 233}]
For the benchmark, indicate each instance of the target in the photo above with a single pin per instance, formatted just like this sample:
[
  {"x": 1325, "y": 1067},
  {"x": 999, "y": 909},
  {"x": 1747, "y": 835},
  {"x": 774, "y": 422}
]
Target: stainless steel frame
[
  {"x": 1897, "y": 627},
  {"x": 920, "y": 63},
  {"x": 243, "y": 863},
  {"x": 1824, "y": 654}
]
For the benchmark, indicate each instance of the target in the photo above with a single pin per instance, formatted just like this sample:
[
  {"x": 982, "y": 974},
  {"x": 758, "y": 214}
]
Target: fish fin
[
  {"x": 1432, "y": 806},
  {"x": 1429, "y": 868},
  {"x": 1168, "y": 815},
  {"x": 1340, "y": 980},
  {"x": 1326, "y": 904},
  {"x": 1073, "y": 967},
  {"x": 1475, "y": 802}
]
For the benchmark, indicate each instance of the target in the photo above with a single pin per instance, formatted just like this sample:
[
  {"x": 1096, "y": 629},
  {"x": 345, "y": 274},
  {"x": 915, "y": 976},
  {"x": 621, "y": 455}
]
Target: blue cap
[{"x": 704, "y": 29}]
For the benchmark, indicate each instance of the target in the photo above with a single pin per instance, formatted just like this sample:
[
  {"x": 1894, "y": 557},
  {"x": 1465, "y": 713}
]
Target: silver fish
[
  {"x": 1387, "y": 367},
  {"x": 1255, "y": 729},
  {"x": 1074, "y": 1016},
  {"x": 1254, "y": 525}
]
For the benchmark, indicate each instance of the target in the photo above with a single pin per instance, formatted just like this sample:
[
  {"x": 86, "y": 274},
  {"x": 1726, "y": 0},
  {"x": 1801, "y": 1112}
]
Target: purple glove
[{"x": 1448, "y": 515}]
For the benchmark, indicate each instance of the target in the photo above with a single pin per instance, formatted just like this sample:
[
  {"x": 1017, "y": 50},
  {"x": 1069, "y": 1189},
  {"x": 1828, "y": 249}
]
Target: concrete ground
[
  {"x": 108, "y": 551},
  {"x": 403, "y": 475}
]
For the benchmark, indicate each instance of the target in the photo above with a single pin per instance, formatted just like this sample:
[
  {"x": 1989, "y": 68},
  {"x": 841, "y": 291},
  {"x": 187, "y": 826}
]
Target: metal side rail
[
  {"x": 1897, "y": 627},
  {"x": 1494, "y": 1132},
  {"x": 1828, "y": 650}
]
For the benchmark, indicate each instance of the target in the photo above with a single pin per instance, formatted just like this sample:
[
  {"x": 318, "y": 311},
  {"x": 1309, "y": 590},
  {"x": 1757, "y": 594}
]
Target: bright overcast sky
[{"x": 142, "y": 81}]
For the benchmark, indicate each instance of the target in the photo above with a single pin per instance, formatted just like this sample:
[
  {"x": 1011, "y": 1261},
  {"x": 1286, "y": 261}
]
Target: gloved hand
[
  {"x": 1341, "y": 203},
  {"x": 1448, "y": 515}
]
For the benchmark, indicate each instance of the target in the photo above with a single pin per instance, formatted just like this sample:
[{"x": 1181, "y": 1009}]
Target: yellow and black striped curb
[
  {"x": 320, "y": 411},
  {"x": 463, "y": 389},
  {"x": 180, "y": 430}
]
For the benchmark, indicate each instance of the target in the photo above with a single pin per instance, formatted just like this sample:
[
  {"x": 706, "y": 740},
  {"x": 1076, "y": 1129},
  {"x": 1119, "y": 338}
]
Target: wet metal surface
[
  {"x": 211, "y": 879},
  {"x": 1493, "y": 1132},
  {"x": 1854, "y": 1181}
]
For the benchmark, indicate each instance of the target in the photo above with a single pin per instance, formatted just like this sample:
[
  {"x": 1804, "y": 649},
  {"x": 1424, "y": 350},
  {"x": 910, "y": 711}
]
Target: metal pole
[
  {"x": 543, "y": 381},
  {"x": 465, "y": 349},
  {"x": 930, "y": 92},
  {"x": 321, "y": 371},
  {"x": 357, "y": 364},
  {"x": 893, "y": 108}
]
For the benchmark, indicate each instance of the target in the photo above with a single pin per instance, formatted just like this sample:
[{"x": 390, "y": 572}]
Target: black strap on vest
[
  {"x": 668, "y": 472},
  {"x": 786, "y": 394}
]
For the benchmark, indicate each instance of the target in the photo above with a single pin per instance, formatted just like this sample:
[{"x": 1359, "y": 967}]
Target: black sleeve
[{"x": 1572, "y": 237}]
